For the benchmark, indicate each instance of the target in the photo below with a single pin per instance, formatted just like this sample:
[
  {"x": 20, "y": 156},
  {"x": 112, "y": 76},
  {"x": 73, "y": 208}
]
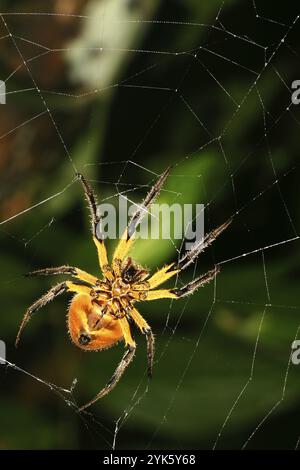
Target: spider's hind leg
[
  {"x": 122, "y": 366},
  {"x": 48, "y": 297}
]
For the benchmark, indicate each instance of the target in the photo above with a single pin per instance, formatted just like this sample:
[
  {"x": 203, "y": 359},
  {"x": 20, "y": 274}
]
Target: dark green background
[{"x": 204, "y": 347}]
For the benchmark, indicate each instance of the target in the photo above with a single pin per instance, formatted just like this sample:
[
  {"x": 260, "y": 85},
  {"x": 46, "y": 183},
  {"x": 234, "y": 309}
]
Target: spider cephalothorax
[
  {"x": 102, "y": 308},
  {"x": 109, "y": 300}
]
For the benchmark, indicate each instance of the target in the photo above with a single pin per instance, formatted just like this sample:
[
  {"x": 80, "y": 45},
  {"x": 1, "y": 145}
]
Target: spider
[{"x": 102, "y": 308}]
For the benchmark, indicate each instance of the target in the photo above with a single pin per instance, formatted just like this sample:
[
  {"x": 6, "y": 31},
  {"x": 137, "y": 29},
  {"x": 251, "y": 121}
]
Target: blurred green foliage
[{"x": 222, "y": 354}]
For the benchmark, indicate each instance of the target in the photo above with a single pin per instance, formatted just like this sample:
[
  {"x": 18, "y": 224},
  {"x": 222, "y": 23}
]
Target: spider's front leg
[
  {"x": 188, "y": 289},
  {"x": 162, "y": 275},
  {"x": 127, "y": 238},
  {"x": 96, "y": 219}
]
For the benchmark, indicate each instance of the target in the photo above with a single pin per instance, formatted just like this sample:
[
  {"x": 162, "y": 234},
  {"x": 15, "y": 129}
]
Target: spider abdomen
[{"x": 89, "y": 328}]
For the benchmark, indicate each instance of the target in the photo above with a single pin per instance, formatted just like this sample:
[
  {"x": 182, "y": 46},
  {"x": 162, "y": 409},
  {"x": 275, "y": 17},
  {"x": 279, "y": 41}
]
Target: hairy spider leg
[
  {"x": 165, "y": 273},
  {"x": 146, "y": 330},
  {"x": 96, "y": 219},
  {"x": 122, "y": 366},
  {"x": 127, "y": 238},
  {"x": 48, "y": 297},
  {"x": 188, "y": 289},
  {"x": 68, "y": 270}
]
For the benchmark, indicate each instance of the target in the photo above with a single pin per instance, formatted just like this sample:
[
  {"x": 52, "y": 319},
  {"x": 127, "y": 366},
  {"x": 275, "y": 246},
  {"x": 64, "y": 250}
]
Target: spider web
[{"x": 231, "y": 359}]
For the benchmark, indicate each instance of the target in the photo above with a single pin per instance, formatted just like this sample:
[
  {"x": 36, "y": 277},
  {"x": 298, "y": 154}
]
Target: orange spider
[{"x": 101, "y": 309}]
